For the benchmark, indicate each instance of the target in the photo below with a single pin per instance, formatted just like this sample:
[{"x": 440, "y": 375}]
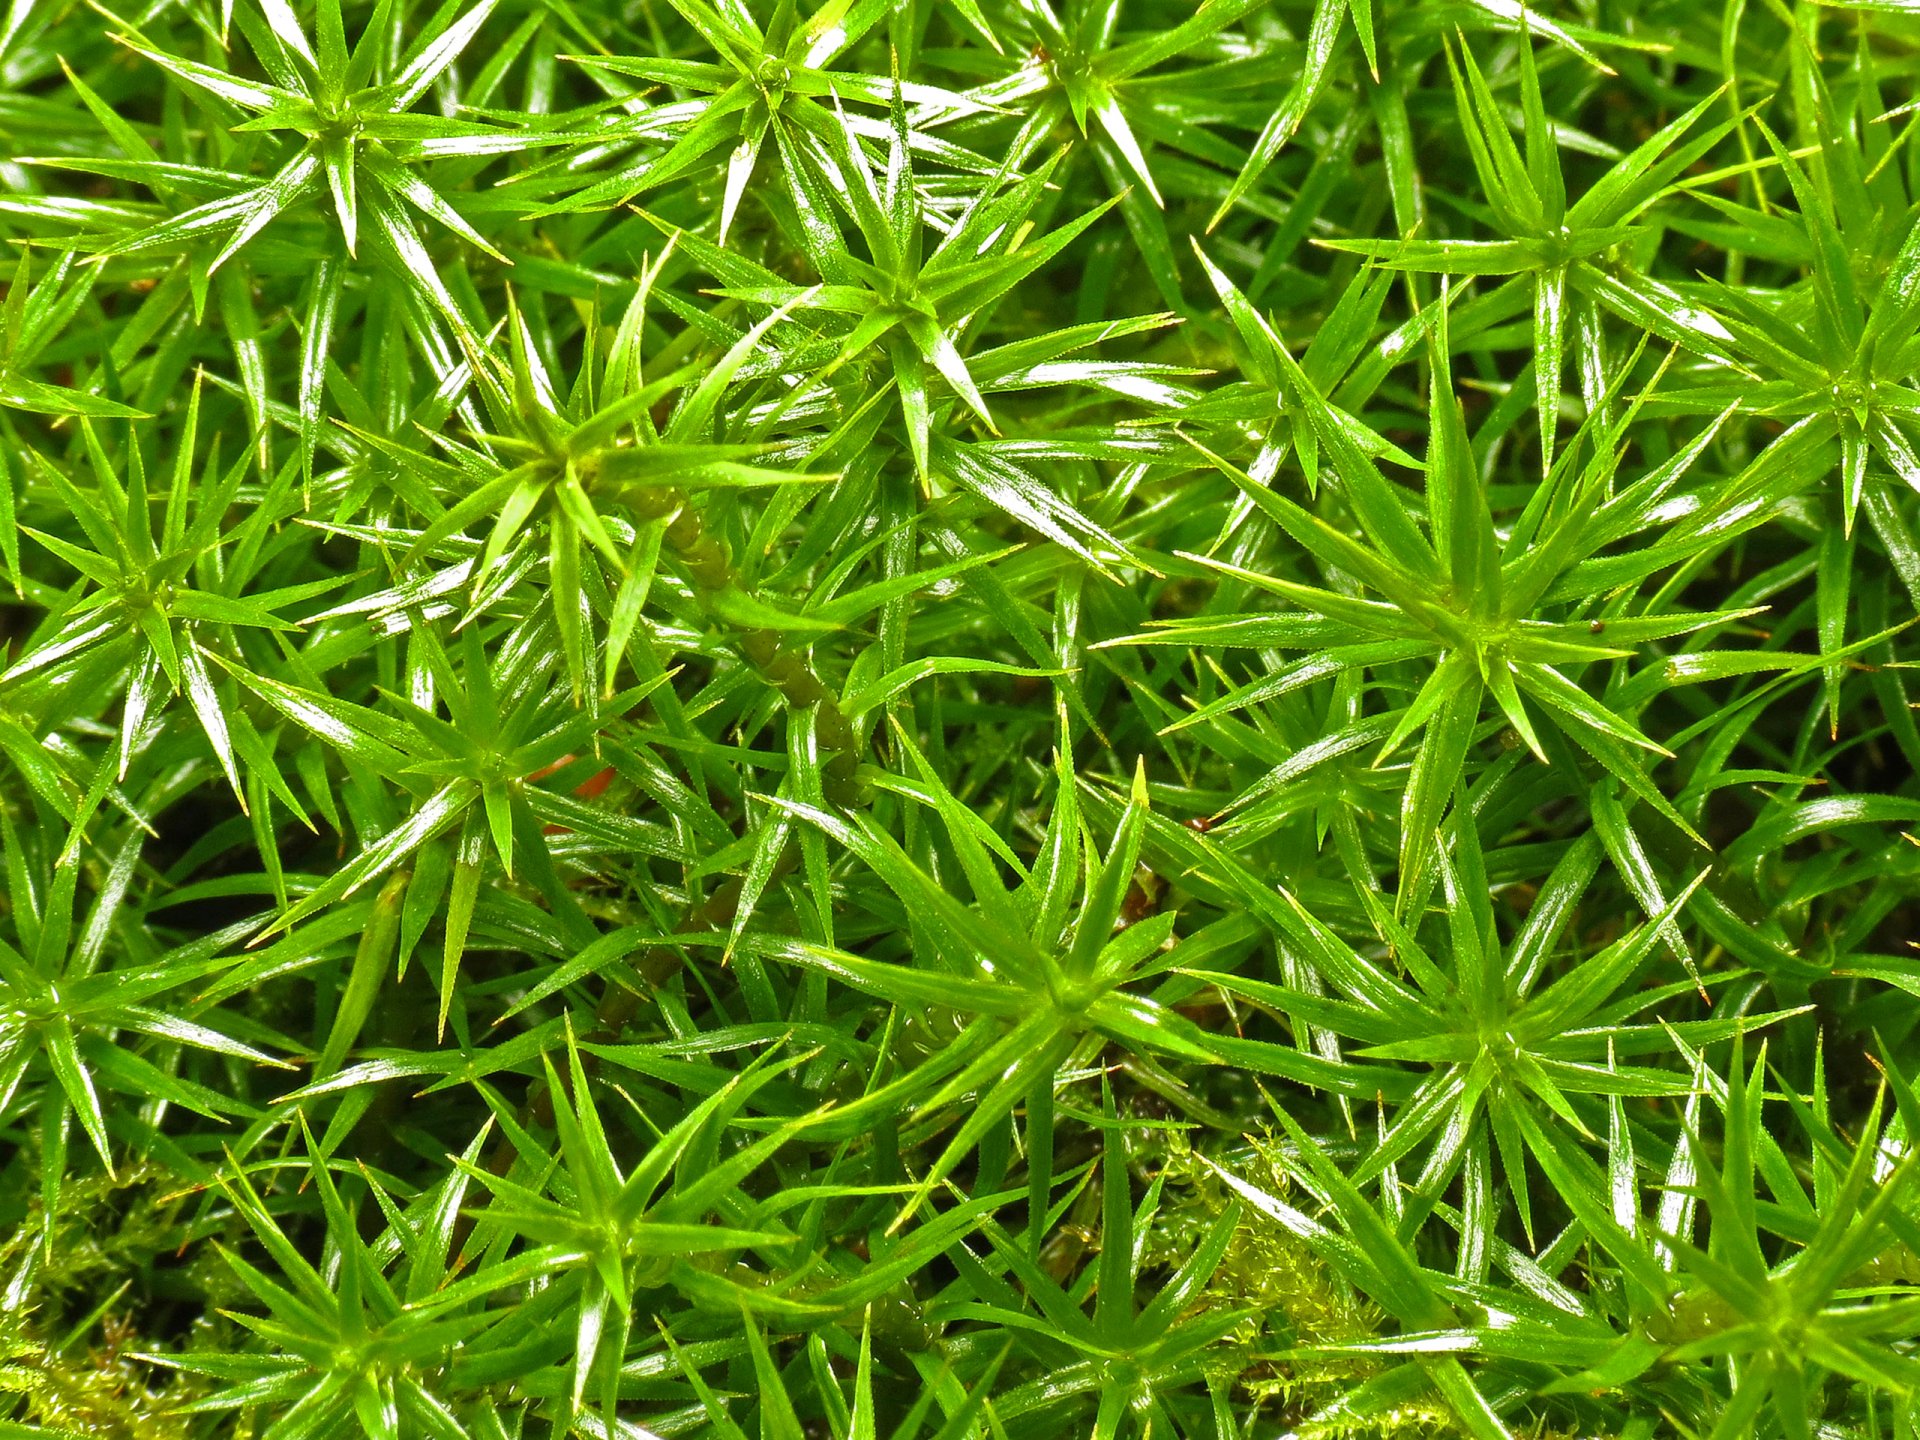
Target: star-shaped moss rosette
[{"x": 998, "y": 719}]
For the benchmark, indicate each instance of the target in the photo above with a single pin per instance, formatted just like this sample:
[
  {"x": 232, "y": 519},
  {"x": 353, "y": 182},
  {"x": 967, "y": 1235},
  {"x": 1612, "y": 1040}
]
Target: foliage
[{"x": 959, "y": 718}]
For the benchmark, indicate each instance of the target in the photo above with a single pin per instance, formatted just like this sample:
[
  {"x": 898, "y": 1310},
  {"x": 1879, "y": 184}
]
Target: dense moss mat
[{"x": 929, "y": 719}]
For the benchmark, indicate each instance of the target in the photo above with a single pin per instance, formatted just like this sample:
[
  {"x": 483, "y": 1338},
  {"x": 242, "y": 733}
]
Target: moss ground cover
[{"x": 929, "y": 719}]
